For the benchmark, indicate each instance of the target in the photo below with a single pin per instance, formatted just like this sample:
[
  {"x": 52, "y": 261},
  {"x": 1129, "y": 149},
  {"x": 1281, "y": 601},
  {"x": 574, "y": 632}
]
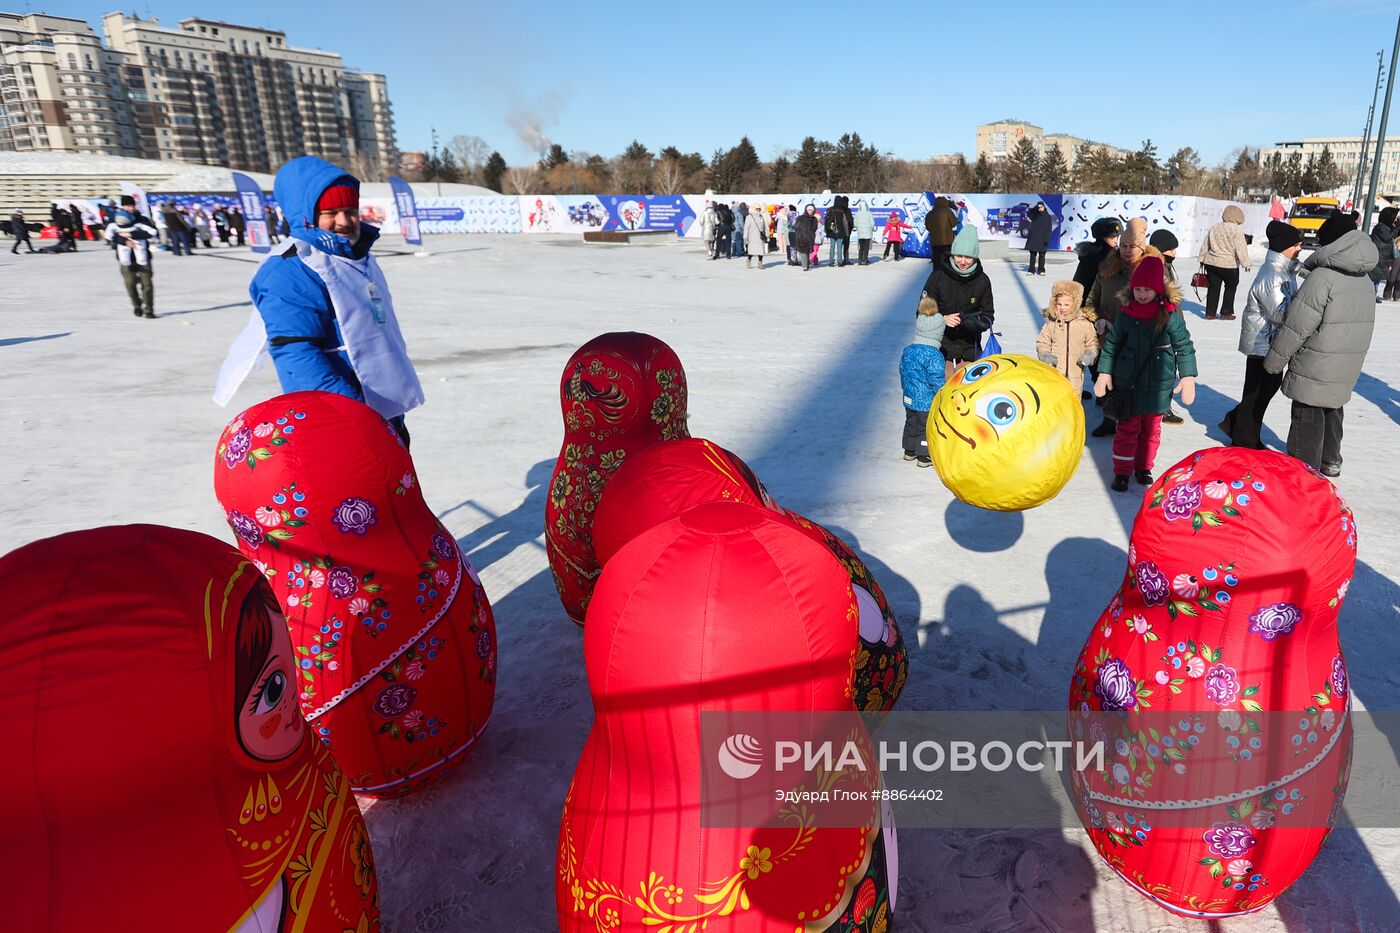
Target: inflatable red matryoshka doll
[
  {"x": 160, "y": 775},
  {"x": 394, "y": 637},
  {"x": 1216, "y": 683},
  {"x": 620, "y": 393},
  {"x": 664, "y": 480},
  {"x": 723, "y": 609}
]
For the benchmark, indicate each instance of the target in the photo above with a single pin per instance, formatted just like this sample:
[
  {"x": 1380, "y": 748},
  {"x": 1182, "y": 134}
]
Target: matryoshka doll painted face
[
  {"x": 393, "y": 647},
  {"x": 269, "y": 724},
  {"x": 214, "y": 811},
  {"x": 1006, "y": 432}
]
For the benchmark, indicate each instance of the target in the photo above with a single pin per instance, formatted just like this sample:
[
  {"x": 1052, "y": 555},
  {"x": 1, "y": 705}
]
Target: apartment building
[
  {"x": 997, "y": 141},
  {"x": 1346, "y": 152},
  {"x": 207, "y": 92}
]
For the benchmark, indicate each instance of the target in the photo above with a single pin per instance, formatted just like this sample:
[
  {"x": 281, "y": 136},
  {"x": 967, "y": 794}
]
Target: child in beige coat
[{"x": 1068, "y": 341}]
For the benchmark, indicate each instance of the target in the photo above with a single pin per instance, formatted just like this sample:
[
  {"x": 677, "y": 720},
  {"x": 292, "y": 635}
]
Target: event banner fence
[{"x": 996, "y": 216}]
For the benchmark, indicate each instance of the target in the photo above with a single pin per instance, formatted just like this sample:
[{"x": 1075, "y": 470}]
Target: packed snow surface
[{"x": 107, "y": 419}]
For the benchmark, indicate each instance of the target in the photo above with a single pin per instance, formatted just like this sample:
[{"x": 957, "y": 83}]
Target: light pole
[
  {"x": 437, "y": 173},
  {"x": 1380, "y": 132},
  {"x": 1366, "y": 137}
]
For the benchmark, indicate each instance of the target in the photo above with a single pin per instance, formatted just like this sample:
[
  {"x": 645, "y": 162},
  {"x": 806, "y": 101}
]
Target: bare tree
[
  {"x": 366, "y": 167},
  {"x": 520, "y": 179},
  {"x": 670, "y": 176},
  {"x": 471, "y": 153}
]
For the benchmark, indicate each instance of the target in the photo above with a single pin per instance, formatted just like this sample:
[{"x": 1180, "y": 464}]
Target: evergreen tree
[
  {"x": 719, "y": 176},
  {"x": 494, "y": 172},
  {"x": 555, "y": 156},
  {"x": 1098, "y": 171},
  {"x": 637, "y": 151},
  {"x": 1183, "y": 168},
  {"x": 1293, "y": 175},
  {"x": 1139, "y": 172},
  {"x": 984, "y": 175},
  {"x": 1020, "y": 172},
  {"x": 812, "y": 164},
  {"x": 962, "y": 174},
  {"x": 1054, "y": 171},
  {"x": 448, "y": 169},
  {"x": 1328, "y": 174},
  {"x": 1307, "y": 183},
  {"x": 781, "y": 169}
]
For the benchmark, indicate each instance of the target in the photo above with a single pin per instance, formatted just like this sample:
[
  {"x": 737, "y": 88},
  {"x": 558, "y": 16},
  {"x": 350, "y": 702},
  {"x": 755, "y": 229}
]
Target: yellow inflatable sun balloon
[{"x": 1006, "y": 432}]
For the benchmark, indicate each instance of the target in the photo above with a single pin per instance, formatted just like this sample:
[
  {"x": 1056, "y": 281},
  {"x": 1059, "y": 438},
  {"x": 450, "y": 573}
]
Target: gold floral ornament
[{"x": 659, "y": 904}]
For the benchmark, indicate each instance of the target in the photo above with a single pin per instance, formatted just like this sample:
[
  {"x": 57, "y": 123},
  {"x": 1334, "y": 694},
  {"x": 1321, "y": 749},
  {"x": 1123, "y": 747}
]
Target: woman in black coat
[
  {"x": 964, "y": 298},
  {"x": 1038, "y": 238},
  {"x": 804, "y": 236}
]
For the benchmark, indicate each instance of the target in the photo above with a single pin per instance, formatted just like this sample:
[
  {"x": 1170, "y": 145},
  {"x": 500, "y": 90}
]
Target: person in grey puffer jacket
[
  {"x": 1264, "y": 311},
  {"x": 1323, "y": 341}
]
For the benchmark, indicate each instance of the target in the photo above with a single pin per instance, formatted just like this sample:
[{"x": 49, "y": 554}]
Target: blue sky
[{"x": 918, "y": 76}]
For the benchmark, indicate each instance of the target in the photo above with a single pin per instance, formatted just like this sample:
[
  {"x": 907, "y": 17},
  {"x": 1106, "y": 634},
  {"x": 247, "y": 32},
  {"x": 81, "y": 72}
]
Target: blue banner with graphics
[
  {"x": 408, "y": 210},
  {"x": 642, "y": 212},
  {"x": 251, "y": 197}
]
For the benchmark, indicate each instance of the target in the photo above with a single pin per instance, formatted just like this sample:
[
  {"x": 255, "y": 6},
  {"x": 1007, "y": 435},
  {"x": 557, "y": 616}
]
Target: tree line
[{"x": 852, "y": 164}]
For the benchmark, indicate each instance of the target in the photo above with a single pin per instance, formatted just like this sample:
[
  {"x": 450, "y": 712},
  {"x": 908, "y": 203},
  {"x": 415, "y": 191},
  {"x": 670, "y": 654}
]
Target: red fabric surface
[
  {"x": 664, "y": 480},
  {"x": 620, "y": 393},
  {"x": 156, "y": 779},
  {"x": 391, "y": 626},
  {"x": 1237, "y": 569},
  {"x": 724, "y": 608}
]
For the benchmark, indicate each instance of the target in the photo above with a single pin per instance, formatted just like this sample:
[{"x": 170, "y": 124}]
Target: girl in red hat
[{"x": 1145, "y": 352}]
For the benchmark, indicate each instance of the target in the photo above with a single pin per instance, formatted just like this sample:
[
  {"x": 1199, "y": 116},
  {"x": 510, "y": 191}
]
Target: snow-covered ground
[{"x": 105, "y": 418}]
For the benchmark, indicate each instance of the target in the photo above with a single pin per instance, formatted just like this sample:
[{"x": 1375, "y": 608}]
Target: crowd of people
[
  {"x": 1119, "y": 322},
  {"x": 754, "y": 231}
]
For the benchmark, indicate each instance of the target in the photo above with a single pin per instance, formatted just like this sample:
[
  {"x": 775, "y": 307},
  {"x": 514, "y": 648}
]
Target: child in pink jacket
[{"x": 894, "y": 236}]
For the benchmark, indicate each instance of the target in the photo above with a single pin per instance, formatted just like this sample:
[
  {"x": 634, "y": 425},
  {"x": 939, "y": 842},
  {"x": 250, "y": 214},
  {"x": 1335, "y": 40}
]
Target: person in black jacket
[
  {"x": 725, "y": 230},
  {"x": 1042, "y": 225},
  {"x": 1105, "y": 231},
  {"x": 838, "y": 232},
  {"x": 804, "y": 235},
  {"x": 963, "y": 293},
  {"x": 20, "y": 231}
]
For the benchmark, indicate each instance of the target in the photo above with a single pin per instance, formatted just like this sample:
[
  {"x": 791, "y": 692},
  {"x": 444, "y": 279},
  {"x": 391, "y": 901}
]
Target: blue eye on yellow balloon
[
  {"x": 998, "y": 410},
  {"x": 977, "y": 371}
]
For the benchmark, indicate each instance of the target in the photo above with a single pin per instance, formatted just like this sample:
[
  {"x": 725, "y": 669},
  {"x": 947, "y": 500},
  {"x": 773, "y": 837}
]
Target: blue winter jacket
[
  {"x": 920, "y": 375},
  {"x": 293, "y": 301}
]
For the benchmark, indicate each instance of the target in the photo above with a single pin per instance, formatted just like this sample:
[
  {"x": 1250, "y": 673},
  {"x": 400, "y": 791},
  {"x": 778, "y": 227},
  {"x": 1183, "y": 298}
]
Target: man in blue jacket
[{"x": 324, "y": 302}]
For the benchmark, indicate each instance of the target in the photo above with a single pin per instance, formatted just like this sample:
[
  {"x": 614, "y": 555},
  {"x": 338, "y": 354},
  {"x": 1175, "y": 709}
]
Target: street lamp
[{"x": 1380, "y": 132}]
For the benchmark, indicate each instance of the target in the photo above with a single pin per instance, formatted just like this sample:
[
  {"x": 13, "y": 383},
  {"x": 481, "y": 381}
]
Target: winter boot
[
  {"x": 909, "y": 455},
  {"x": 1120, "y": 482},
  {"x": 1144, "y": 477},
  {"x": 1109, "y": 426}
]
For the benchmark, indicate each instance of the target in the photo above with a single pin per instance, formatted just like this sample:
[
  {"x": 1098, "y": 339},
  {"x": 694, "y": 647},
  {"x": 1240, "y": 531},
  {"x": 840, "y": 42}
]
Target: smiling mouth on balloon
[{"x": 970, "y": 442}]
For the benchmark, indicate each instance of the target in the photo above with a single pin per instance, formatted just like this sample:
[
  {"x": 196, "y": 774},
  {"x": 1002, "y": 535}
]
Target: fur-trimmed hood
[{"x": 1076, "y": 293}]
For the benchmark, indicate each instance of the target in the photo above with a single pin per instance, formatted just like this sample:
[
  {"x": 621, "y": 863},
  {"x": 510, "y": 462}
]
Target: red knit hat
[
  {"x": 340, "y": 196},
  {"x": 1150, "y": 274}
]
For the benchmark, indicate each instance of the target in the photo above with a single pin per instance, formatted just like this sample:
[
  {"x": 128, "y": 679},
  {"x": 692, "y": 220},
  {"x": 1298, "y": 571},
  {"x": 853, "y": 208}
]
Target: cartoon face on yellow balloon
[{"x": 1006, "y": 432}]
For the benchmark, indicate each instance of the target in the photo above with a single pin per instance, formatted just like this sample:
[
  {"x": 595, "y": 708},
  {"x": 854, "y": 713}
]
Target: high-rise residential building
[
  {"x": 208, "y": 92},
  {"x": 61, "y": 90},
  {"x": 997, "y": 141},
  {"x": 1346, "y": 152}
]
